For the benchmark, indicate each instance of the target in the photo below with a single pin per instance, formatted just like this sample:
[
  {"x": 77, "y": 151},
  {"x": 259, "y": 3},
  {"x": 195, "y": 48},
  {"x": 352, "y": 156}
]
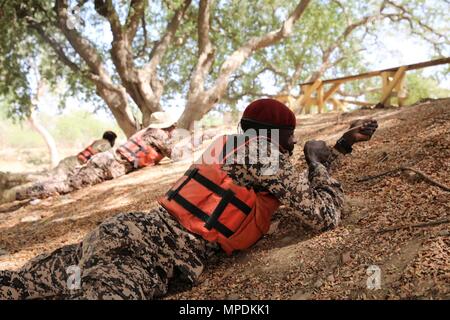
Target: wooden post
[
  {"x": 393, "y": 85},
  {"x": 297, "y": 106},
  {"x": 337, "y": 105},
  {"x": 331, "y": 91},
  {"x": 388, "y": 85},
  {"x": 401, "y": 90},
  {"x": 320, "y": 103},
  {"x": 283, "y": 98},
  {"x": 305, "y": 91},
  {"x": 309, "y": 89},
  {"x": 291, "y": 102},
  {"x": 385, "y": 79}
]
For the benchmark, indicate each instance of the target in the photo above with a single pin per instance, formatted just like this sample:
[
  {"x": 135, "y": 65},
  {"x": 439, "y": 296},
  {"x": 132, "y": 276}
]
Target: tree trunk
[
  {"x": 49, "y": 141},
  {"x": 136, "y": 83},
  {"x": 117, "y": 103},
  {"x": 200, "y": 101},
  {"x": 198, "y": 106}
]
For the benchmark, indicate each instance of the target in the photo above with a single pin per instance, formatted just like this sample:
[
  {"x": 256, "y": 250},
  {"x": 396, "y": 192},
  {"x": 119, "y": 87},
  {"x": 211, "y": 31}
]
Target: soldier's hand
[
  {"x": 316, "y": 151},
  {"x": 363, "y": 130}
]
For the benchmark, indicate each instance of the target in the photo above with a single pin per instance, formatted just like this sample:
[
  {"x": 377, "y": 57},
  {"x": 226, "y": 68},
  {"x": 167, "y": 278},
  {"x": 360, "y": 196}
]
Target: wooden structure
[{"x": 393, "y": 85}]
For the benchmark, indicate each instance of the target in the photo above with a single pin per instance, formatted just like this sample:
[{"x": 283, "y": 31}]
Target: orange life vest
[
  {"x": 137, "y": 152},
  {"x": 87, "y": 153},
  {"x": 207, "y": 202}
]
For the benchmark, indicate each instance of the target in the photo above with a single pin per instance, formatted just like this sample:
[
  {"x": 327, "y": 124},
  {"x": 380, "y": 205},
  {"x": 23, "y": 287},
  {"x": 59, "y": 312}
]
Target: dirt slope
[{"x": 291, "y": 262}]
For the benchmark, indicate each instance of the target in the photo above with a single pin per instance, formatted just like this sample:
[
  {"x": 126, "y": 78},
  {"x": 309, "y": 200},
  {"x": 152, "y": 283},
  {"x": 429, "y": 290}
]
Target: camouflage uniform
[
  {"x": 67, "y": 165},
  {"x": 129, "y": 256},
  {"x": 19, "y": 183},
  {"x": 101, "y": 167},
  {"x": 134, "y": 255}
]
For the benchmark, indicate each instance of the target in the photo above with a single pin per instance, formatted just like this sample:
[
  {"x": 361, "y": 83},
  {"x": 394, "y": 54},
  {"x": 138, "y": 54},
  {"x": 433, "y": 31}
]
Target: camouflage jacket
[
  {"x": 69, "y": 163},
  {"x": 101, "y": 145},
  {"x": 313, "y": 195},
  {"x": 173, "y": 146}
]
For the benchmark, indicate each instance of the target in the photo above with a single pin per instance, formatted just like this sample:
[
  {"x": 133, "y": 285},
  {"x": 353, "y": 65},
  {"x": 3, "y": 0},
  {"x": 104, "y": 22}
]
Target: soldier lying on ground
[
  {"x": 225, "y": 200},
  {"x": 66, "y": 165},
  {"x": 10, "y": 182},
  {"x": 145, "y": 148}
]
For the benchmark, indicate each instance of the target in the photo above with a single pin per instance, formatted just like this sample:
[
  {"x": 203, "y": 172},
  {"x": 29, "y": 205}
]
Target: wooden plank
[
  {"x": 356, "y": 102},
  {"x": 414, "y": 66},
  {"x": 308, "y": 91},
  {"x": 337, "y": 105},
  {"x": 282, "y": 98},
  {"x": 288, "y": 100},
  {"x": 387, "y": 90},
  {"x": 331, "y": 91}
]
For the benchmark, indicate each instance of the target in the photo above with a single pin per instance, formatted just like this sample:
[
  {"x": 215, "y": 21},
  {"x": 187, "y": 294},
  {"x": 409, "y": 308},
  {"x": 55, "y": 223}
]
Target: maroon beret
[{"x": 270, "y": 112}]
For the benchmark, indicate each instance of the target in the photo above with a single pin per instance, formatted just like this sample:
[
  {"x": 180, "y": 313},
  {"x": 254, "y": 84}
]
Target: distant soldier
[
  {"x": 145, "y": 148},
  {"x": 223, "y": 202},
  {"x": 66, "y": 165},
  {"x": 11, "y": 183}
]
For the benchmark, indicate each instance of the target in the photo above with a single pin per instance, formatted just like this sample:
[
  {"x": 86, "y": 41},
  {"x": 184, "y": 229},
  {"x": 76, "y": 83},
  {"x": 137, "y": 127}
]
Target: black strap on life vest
[
  {"x": 139, "y": 145},
  {"x": 227, "y": 197},
  {"x": 134, "y": 154},
  {"x": 89, "y": 152},
  {"x": 86, "y": 154}
]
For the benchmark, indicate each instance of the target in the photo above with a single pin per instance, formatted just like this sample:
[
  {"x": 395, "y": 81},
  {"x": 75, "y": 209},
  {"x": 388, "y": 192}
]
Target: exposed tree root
[
  {"x": 416, "y": 225},
  {"x": 422, "y": 175}
]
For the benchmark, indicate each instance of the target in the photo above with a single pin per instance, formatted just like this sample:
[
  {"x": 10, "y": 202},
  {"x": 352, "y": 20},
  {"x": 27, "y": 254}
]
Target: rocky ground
[{"x": 396, "y": 225}]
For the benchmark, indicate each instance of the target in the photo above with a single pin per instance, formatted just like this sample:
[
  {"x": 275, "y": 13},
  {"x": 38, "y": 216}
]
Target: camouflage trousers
[
  {"x": 11, "y": 183},
  {"x": 129, "y": 256},
  {"x": 102, "y": 166}
]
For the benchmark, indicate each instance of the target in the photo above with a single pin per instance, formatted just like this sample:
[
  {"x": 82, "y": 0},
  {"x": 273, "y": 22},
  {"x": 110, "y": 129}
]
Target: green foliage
[
  {"x": 82, "y": 127},
  {"x": 420, "y": 87},
  {"x": 233, "y": 23},
  {"x": 25, "y": 56},
  {"x": 73, "y": 130},
  {"x": 322, "y": 27}
]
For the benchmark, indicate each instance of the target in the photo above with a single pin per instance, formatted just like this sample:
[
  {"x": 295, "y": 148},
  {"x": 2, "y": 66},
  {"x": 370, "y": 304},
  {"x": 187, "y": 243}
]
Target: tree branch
[
  {"x": 55, "y": 46},
  {"x": 88, "y": 53},
  {"x": 205, "y": 49},
  {"x": 415, "y": 225},
  {"x": 160, "y": 48},
  {"x": 422, "y": 175},
  {"x": 145, "y": 44},
  {"x": 240, "y": 55},
  {"x": 66, "y": 60},
  {"x": 337, "y": 43},
  {"x": 106, "y": 9},
  {"x": 135, "y": 15},
  {"x": 289, "y": 84},
  {"x": 407, "y": 16}
]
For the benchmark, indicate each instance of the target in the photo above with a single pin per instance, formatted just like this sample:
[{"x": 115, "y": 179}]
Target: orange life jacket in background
[
  {"x": 137, "y": 152},
  {"x": 207, "y": 202},
  {"x": 87, "y": 153}
]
